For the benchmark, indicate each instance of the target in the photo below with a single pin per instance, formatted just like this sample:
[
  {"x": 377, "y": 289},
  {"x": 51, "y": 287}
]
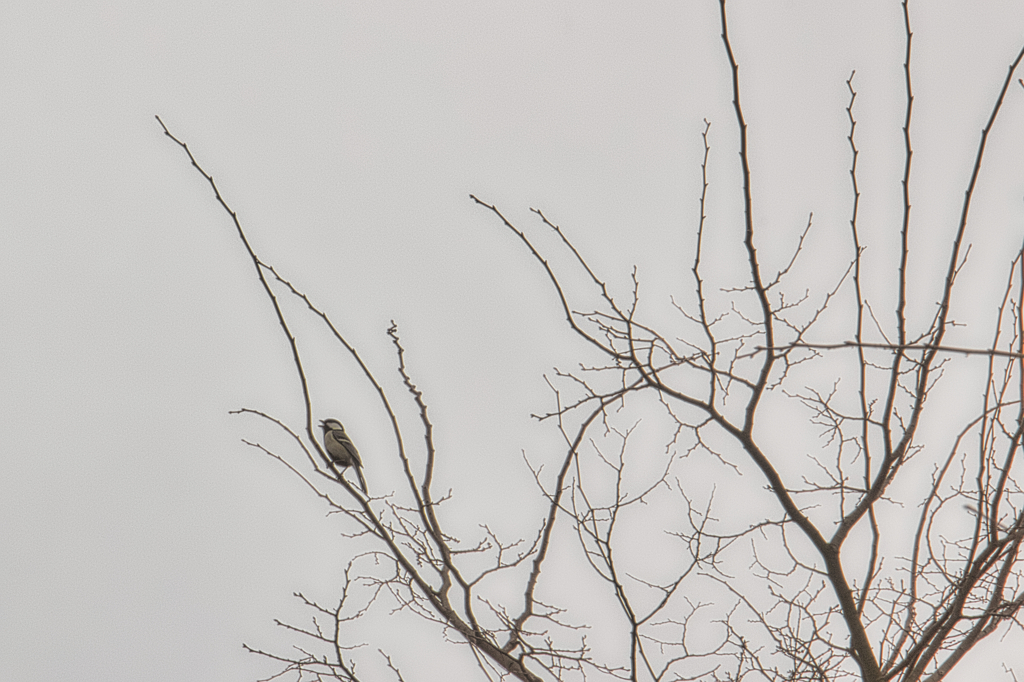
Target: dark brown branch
[{"x": 767, "y": 318}]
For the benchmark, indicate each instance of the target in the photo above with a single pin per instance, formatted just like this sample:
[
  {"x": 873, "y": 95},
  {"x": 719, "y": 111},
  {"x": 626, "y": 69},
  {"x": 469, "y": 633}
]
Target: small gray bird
[
  {"x": 974, "y": 510},
  {"x": 340, "y": 448}
]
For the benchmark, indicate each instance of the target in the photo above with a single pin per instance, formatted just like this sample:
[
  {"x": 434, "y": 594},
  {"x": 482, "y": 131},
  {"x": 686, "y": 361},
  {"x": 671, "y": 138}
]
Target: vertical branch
[
  {"x": 711, "y": 356},
  {"x": 860, "y": 645},
  {"x": 901, "y": 304},
  {"x": 865, "y": 447},
  {"x": 424, "y": 503},
  {"x": 893, "y": 452},
  {"x": 767, "y": 322}
]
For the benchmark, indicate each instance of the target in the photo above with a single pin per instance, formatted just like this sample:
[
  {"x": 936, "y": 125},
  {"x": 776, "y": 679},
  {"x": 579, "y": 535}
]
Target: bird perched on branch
[{"x": 340, "y": 448}]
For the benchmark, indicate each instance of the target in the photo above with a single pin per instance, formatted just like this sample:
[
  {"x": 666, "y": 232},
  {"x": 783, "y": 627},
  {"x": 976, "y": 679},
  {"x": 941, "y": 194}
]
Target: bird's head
[{"x": 331, "y": 425}]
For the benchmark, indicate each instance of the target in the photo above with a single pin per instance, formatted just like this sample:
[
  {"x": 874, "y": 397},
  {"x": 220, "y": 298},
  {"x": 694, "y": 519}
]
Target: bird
[
  {"x": 1001, "y": 526},
  {"x": 340, "y": 448}
]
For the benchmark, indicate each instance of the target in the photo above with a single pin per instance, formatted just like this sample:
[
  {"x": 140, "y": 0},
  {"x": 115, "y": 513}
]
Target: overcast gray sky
[{"x": 139, "y": 538}]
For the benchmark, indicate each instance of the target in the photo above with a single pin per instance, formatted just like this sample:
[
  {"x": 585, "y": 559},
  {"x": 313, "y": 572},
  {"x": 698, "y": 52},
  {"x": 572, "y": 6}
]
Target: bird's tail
[{"x": 362, "y": 481}]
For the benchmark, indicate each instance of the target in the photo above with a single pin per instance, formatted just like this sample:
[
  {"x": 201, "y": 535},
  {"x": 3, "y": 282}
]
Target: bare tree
[{"x": 885, "y": 553}]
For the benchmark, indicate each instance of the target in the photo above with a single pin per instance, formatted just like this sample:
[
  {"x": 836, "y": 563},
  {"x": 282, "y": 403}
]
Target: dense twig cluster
[{"x": 818, "y": 588}]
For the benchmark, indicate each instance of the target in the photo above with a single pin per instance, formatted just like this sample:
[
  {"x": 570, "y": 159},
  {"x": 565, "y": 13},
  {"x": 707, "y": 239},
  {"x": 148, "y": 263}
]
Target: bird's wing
[{"x": 342, "y": 439}]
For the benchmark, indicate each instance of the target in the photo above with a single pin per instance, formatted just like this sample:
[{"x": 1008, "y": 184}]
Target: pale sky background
[{"x": 139, "y": 538}]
